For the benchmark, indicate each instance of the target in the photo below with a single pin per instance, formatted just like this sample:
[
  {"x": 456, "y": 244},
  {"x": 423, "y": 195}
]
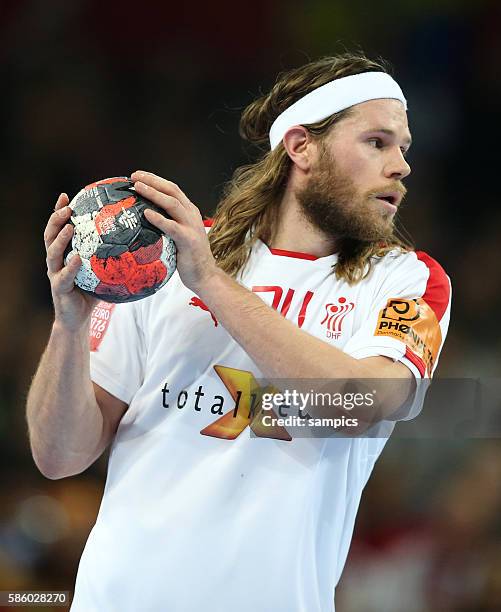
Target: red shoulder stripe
[
  {"x": 438, "y": 292},
  {"x": 208, "y": 222}
]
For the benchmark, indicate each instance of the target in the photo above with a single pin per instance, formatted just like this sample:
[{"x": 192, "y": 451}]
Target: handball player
[{"x": 299, "y": 275}]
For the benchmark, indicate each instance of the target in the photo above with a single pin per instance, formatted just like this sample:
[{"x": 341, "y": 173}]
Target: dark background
[{"x": 96, "y": 89}]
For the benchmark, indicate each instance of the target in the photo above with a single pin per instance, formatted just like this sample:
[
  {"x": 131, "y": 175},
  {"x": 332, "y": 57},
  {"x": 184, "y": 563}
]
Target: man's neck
[{"x": 295, "y": 233}]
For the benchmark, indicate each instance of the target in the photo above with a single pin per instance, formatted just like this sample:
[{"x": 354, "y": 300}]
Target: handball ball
[{"x": 124, "y": 257}]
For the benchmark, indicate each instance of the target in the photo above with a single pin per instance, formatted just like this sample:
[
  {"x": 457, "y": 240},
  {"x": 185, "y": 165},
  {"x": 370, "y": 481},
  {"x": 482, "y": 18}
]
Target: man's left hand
[{"x": 195, "y": 262}]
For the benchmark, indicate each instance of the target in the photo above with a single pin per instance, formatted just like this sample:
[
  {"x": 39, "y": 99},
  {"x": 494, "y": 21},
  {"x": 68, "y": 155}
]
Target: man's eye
[
  {"x": 377, "y": 142},
  {"x": 405, "y": 152}
]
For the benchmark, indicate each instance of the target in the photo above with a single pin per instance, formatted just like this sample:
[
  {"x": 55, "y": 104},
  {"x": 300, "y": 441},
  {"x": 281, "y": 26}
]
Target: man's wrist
[
  {"x": 211, "y": 283},
  {"x": 61, "y": 328}
]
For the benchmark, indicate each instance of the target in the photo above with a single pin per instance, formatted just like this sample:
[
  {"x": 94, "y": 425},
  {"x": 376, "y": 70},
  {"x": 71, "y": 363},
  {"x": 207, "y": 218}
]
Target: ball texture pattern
[{"x": 124, "y": 257}]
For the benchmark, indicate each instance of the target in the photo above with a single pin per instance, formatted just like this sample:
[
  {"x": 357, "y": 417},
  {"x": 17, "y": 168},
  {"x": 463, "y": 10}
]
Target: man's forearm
[
  {"x": 277, "y": 346},
  {"x": 64, "y": 420},
  {"x": 283, "y": 351}
]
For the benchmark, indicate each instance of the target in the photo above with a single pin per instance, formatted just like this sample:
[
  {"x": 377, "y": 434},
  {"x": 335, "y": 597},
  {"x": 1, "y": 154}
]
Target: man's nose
[{"x": 397, "y": 166}]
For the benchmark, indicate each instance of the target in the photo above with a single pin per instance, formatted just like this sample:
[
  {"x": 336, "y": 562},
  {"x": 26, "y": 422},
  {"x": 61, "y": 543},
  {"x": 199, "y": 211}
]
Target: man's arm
[
  {"x": 283, "y": 351},
  {"x": 276, "y": 345},
  {"x": 70, "y": 422}
]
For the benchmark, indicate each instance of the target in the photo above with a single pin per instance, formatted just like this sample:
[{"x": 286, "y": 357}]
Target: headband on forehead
[{"x": 334, "y": 97}]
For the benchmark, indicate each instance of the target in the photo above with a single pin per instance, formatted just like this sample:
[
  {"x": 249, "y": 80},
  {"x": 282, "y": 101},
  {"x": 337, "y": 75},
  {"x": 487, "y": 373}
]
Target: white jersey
[{"x": 197, "y": 514}]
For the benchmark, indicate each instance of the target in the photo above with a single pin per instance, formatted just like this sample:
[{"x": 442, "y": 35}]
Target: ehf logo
[
  {"x": 335, "y": 314},
  {"x": 128, "y": 219}
]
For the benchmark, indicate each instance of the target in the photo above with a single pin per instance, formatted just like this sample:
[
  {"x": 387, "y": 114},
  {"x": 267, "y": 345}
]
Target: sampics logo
[
  {"x": 335, "y": 315},
  {"x": 246, "y": 410}
]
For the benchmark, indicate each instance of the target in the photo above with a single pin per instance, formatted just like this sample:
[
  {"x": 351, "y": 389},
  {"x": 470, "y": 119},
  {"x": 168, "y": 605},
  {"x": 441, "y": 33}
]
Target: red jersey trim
[
  {"x": 280, "y": 252},
  {"x": 297, "y": 255},
  {"x": 438, "y": 292},
  {"x": 437, "y": 295},
  {"x": 417, "y": 361}
]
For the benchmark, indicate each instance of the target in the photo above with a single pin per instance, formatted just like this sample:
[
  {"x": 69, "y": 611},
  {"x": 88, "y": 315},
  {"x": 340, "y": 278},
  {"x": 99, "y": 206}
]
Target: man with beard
[{"x": 210, "y": 502}]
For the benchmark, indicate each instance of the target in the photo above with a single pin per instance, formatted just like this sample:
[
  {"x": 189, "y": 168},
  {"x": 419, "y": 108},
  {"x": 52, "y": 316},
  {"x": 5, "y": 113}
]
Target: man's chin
[
  {"x": 373, "y": 233},
  {"x": 359, "y": 234},
  {"x": 357, "y": 221}
]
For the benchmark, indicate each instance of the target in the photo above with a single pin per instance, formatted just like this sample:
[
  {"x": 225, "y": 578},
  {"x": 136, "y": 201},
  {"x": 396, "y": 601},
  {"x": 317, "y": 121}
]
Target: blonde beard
[{"x": 331, "y": 203}]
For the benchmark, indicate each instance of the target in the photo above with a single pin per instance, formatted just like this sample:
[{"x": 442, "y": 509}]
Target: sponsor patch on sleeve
[
  {"x": 99, "y": 321},
  {"x": 414, "y": 323}
]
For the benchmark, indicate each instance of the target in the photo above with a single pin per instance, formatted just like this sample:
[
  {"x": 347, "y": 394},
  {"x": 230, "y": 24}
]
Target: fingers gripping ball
[{"x": 124, "y": 257}]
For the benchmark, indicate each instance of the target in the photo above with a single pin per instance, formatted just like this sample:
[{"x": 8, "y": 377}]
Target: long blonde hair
[{"x": 249, "y": 208}]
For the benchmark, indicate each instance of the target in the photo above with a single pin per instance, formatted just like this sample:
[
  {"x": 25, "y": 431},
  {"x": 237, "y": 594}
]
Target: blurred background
[{"x": 92, "y": 89}]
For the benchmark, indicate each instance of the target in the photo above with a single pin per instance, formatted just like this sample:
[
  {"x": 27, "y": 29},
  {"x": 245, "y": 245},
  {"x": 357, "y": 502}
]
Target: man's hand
[
  {"x": 72, "y": 307},
  {"x": 195, "y": 262}
]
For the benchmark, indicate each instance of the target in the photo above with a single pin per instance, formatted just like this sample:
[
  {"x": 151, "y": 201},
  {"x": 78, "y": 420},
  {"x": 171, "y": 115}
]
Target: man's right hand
[
  {"x": 72, "y": 307},
  {"x": 70, "y": 420}
]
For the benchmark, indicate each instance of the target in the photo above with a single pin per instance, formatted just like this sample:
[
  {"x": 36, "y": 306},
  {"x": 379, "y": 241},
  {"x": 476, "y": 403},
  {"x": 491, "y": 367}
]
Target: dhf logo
[{"x": 335, "y": 314}]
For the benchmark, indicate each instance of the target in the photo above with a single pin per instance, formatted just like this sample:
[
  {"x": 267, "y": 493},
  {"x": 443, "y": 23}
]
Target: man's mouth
[{"x": 391, "y": 199}]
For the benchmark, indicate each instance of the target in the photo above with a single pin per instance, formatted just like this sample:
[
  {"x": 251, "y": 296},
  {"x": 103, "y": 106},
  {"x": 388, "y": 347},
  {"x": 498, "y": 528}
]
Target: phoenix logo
[{"x": 335, "y": 314}]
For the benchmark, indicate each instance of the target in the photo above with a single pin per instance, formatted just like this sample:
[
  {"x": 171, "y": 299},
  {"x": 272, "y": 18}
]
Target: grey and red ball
[{"x": 124, "y": 257}]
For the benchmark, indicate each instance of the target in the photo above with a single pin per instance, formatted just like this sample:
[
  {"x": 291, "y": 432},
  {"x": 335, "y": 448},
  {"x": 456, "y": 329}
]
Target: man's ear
[{"x": 298, "y": 144}]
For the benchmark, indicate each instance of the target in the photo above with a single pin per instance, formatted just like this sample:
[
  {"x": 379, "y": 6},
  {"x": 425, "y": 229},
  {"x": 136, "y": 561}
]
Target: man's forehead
[{"x": 384, "y": 114}]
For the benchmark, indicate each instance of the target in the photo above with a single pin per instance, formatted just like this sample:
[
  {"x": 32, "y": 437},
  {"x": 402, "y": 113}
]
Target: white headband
[{"x": 333, "y": 97}]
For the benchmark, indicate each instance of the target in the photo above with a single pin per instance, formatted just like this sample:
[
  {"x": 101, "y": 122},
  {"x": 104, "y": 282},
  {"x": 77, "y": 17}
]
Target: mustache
[{"x": 402, "y": 190}]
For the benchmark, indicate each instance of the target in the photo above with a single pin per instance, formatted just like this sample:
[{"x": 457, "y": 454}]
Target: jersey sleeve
[
  {"x": 117, "y": 349},
  {"x": 409, "y": 316}
]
